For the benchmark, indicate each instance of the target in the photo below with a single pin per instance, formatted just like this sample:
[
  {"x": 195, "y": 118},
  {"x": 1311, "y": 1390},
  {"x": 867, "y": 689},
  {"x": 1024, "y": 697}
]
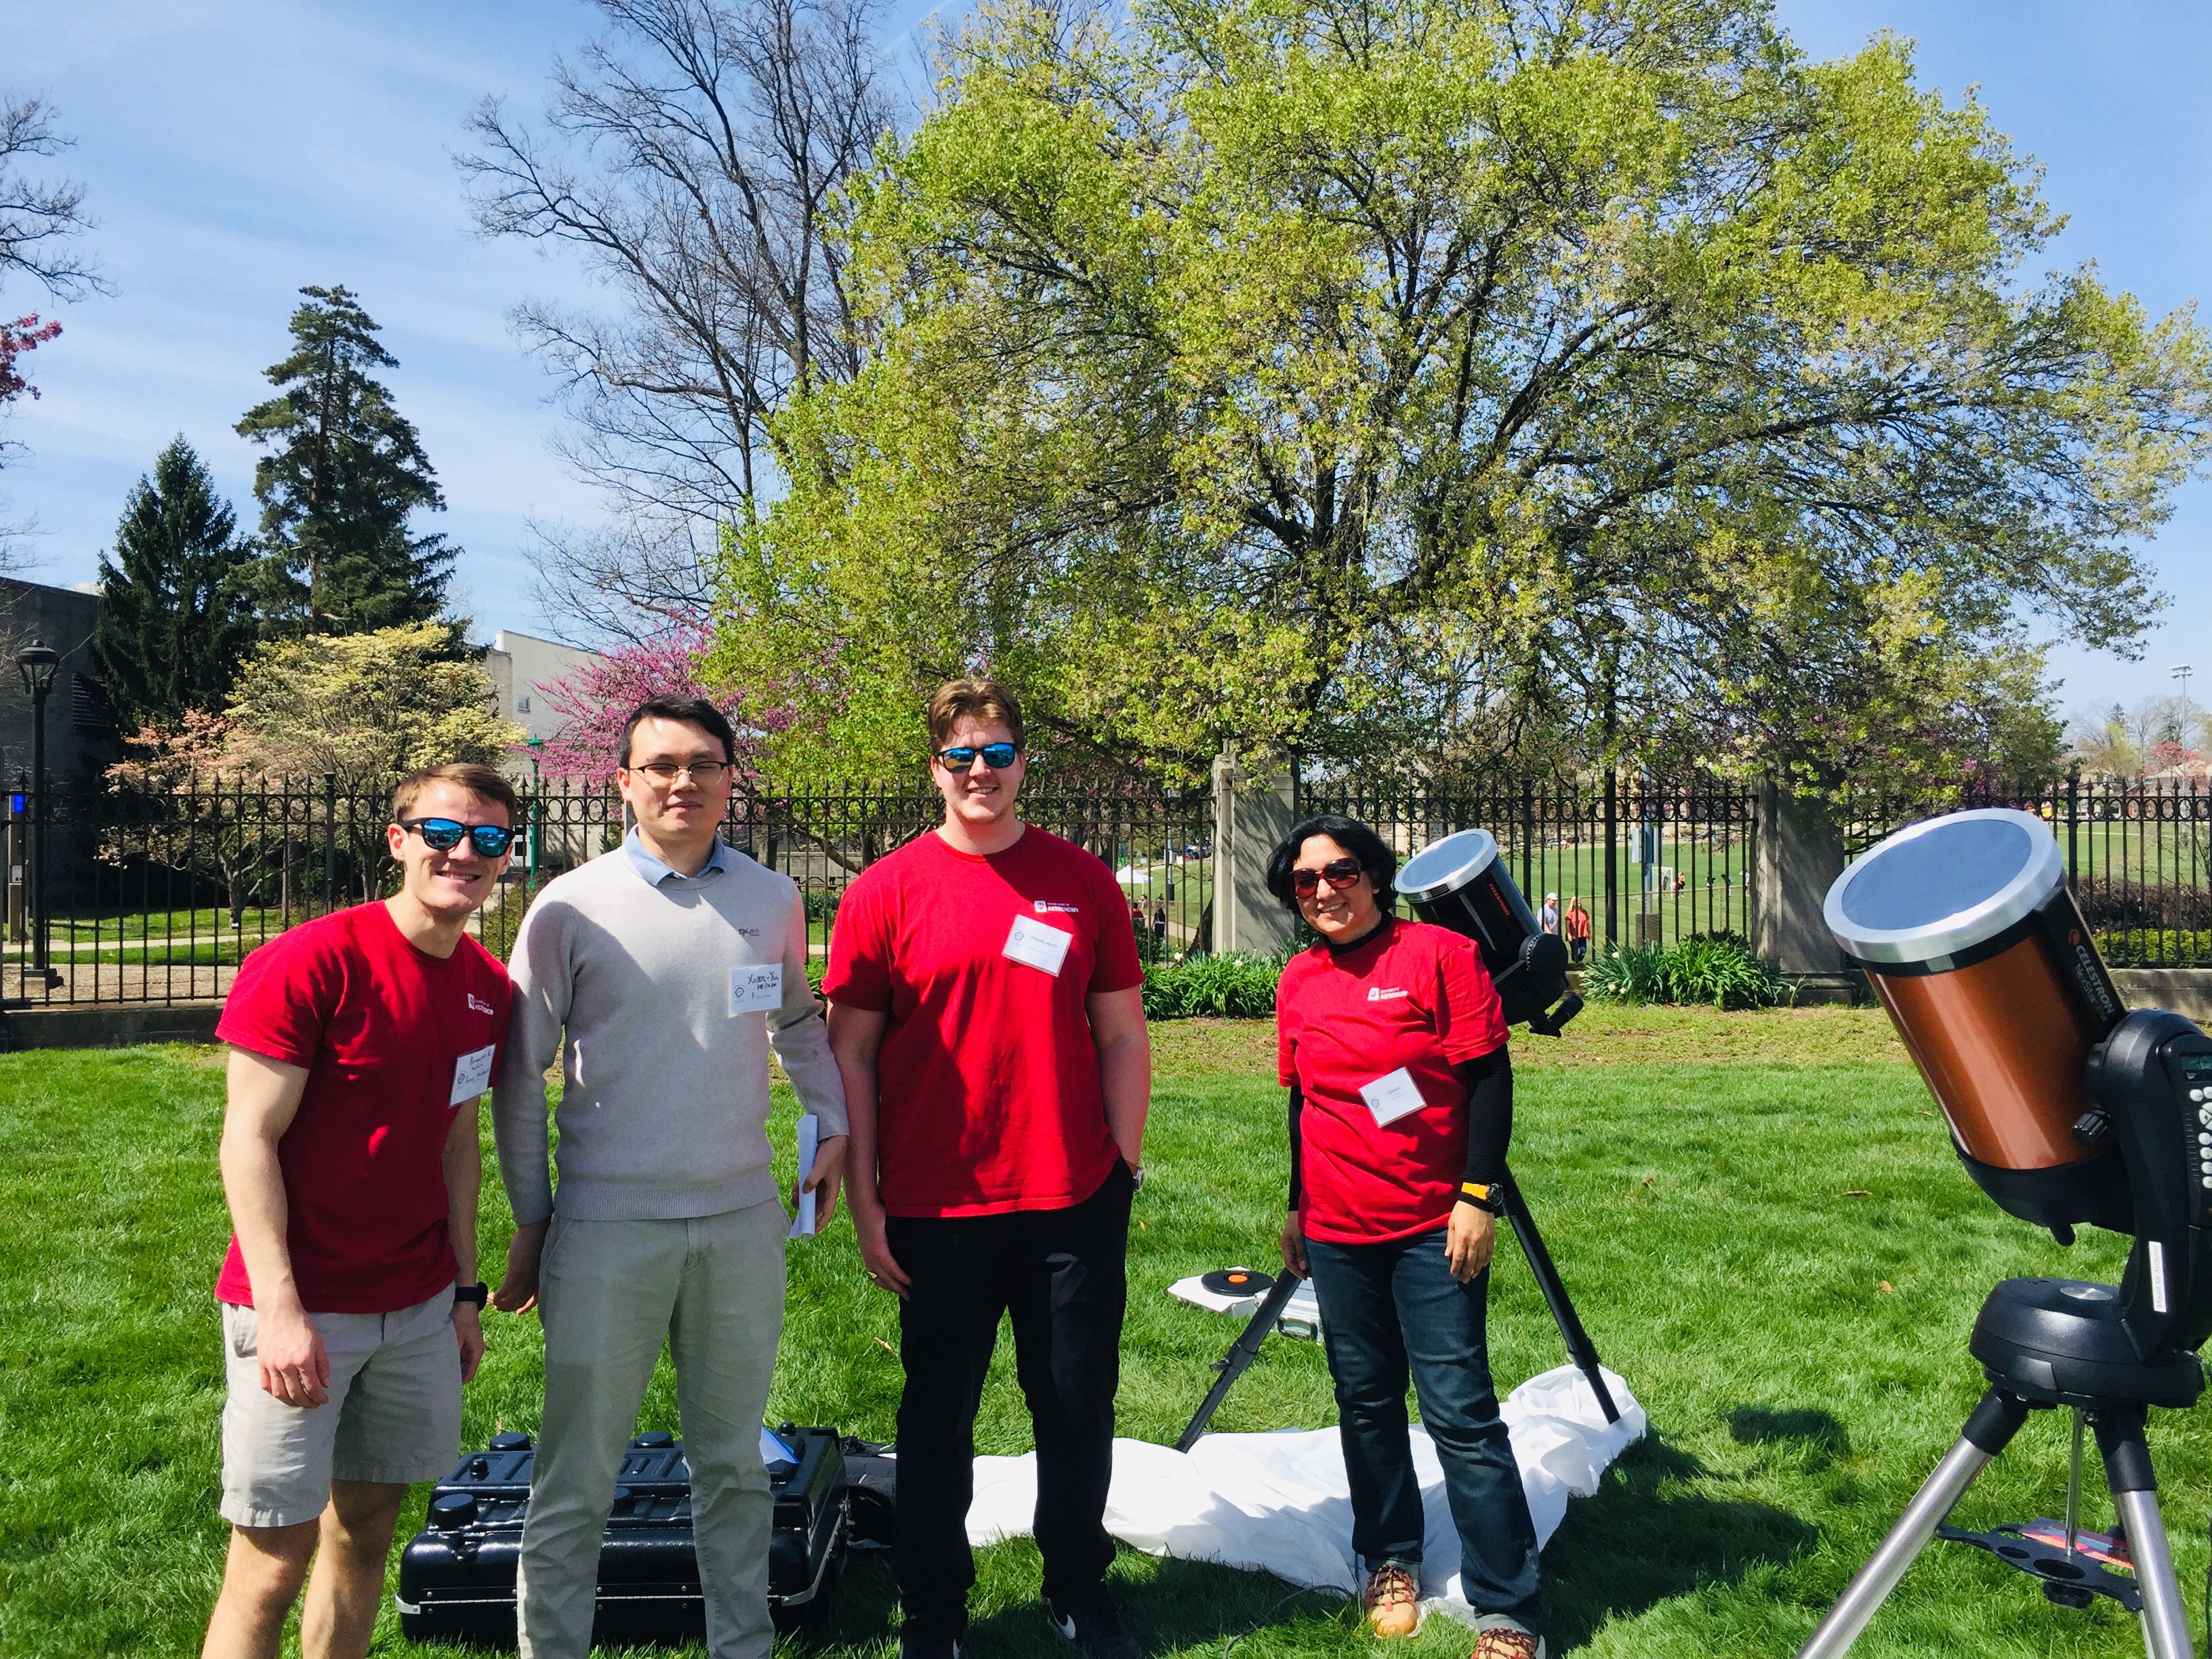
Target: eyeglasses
[
  {"x": 443, "y": 835},
  {"x": 1339, "y": 874},
  {"x": 996, "y": 755},
  {"x": 667, "y": 774}
]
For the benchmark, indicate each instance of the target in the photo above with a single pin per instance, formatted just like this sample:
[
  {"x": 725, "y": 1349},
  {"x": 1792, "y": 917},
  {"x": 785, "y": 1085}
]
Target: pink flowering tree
[
  {"x": 596, "y": 699},
  {"x": 24, "y": 334}
]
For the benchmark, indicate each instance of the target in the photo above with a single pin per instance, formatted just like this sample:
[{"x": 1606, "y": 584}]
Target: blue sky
[{"x": 233, "y": 153}]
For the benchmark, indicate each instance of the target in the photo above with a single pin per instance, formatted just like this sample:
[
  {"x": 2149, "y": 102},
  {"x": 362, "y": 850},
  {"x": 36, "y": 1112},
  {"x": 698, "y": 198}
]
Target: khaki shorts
[{"x": 394, "y": 1414}]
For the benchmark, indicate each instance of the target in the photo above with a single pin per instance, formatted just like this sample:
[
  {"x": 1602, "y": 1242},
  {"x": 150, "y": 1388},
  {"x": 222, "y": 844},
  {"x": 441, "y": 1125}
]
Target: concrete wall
[
  {"x": 1251, "y": 814},
  {"x": 1801, "y": 853},
  {"x": 81, "y": 741},
  {"x": 521, "y": 665}
]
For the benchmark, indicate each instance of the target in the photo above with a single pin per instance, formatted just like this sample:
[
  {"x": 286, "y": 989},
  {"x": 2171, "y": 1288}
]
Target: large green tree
[
  {"x": 344, "y": 474},
  {"x": 1438, "y": 378},
  {"x": 175, "y": 613}
]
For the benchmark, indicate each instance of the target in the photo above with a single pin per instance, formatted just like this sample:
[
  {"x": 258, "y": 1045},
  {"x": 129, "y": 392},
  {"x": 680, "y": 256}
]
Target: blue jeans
[{"x": 1389, "y": 1308}]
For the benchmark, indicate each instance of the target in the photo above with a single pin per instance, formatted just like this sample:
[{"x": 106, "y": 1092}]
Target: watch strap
[
  {"x": 475, "y": 1295},
  {"x": 1483, "y": 1195}
]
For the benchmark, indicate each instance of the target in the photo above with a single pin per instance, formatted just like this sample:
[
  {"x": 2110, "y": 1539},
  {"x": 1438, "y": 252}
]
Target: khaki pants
[{"x": 608, "y": 1292}]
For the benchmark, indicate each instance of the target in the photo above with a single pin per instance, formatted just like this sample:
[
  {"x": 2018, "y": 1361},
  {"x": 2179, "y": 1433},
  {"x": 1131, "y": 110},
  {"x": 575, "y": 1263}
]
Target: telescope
[
  {"x": 1461, "y": 883},
  {"x": 2067, "y": 1109}
]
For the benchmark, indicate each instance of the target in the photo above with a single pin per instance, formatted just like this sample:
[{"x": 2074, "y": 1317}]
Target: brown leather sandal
[{"x": 1507, "y": 1644}]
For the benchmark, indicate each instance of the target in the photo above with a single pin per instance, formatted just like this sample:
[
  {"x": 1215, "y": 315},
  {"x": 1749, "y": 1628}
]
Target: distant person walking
[
  {"x": 1159, "y": 928},
  {"x": 1578, "y": 930},
  {"x": 1548, "y": 917}
]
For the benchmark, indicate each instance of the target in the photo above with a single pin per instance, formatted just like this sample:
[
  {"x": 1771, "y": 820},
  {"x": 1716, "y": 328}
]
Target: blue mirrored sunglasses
[
  {"x": 996, "y": 755},
  {"x": 491, "y": 840}
]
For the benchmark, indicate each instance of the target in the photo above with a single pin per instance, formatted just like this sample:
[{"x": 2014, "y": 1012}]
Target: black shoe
[
  {"x": 921, "y": 1644},
  {"x": 1095, "y": 1625}
]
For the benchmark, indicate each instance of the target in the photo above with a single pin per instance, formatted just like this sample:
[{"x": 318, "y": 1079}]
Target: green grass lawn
[{"x": 1801, "y": 1350}]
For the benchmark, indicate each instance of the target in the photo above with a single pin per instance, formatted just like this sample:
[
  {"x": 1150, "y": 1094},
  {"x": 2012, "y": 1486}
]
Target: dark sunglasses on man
[
  {"x": 443, "y": 835},
  {"x": 996, "y": 755},
  {"x": 1339, "y": 874}
]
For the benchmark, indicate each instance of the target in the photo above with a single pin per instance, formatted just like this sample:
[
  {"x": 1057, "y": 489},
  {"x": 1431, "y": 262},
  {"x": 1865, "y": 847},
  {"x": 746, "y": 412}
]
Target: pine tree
[
  {"x": 344, "y": 473},
  {"x": 175, "y": 614}
]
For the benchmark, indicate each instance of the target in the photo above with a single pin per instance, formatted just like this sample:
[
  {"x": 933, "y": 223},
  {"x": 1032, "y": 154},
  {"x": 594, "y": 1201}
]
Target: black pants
[
  {"x": 1063, "y": 1276},
  {"x": 1393, "y": 1307}
]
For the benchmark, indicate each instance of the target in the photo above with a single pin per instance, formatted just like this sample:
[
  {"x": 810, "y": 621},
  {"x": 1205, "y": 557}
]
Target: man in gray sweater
[{"x": 672, "y": 964}]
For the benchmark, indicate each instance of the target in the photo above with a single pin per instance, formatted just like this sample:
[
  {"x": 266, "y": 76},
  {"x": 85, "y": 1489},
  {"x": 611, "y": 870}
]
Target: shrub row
[
  {"x": 2156, "y": 947},
  {"x": 1233, "y": 987},
  {"x": 1719, "y": 968}
]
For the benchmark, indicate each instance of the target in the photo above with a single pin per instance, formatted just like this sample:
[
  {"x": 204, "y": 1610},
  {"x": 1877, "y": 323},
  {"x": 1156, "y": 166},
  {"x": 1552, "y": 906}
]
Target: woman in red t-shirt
[{"x": 1392, "y": 1043}]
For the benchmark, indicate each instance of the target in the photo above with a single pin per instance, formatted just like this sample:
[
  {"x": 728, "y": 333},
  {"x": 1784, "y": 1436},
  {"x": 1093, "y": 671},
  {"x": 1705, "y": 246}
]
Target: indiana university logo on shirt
[
  {"x": 1047, "y": 907},
  {"x": 477, "y": 1005},
  {"x": 1383, "y": 993}
]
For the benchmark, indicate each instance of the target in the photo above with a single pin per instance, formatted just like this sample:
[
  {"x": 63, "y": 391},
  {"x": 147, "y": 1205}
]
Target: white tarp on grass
[{"x": 1279, "y": 1502}]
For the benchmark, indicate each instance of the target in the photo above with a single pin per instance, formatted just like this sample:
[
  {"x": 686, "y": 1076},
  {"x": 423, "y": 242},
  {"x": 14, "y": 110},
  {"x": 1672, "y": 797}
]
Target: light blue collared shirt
[{"x": 656, "y": 871}]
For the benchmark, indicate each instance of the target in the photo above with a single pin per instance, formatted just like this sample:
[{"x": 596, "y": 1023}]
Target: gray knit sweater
[{"x": 664, "y": 1102}]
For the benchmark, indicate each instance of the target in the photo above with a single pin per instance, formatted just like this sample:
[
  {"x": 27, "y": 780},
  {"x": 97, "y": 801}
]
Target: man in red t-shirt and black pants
[
  {"x": 987, "y": 1012},
  {"x": 359, "y": 1044}
]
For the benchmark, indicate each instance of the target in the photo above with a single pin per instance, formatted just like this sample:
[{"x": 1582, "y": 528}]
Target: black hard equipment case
[{"x": 456, "y": 1575}]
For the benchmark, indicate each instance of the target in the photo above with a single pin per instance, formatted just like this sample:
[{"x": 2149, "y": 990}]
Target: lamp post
[
  {"x": 535, "y": 744},
  {"x": 2182, "y": 671},
  {"x": 39, "y": 664}
]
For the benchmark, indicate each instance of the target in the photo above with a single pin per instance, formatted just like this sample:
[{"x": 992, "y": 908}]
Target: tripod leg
[
  {"x": 1991, "y": 1427},
  {"x": 1580, "y": 1349},
  {"x": 2134, "y": 1494}
]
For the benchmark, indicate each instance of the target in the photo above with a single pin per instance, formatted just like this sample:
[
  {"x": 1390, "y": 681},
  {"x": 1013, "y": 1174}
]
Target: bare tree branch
[
  {"x": 692, "y": 160},
  {"x": 39, "y": 219}
]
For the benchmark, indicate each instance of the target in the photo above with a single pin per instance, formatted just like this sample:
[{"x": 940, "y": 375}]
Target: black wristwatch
[
  {"x": 474, "y": 1295},
  {"x": 1483, "y": 1195}
]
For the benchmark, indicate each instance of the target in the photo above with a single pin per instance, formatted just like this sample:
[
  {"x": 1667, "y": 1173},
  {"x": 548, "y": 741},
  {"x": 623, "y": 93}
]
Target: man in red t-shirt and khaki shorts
[
  {"x": 359, "y": 1044},
  {"x": 986, "y": 1009}
]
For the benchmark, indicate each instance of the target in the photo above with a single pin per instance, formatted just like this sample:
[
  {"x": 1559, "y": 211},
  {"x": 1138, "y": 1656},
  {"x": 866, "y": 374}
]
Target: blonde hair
[{"x": 972, "y": 699}]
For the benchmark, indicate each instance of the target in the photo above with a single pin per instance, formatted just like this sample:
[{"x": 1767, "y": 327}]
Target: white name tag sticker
[
  {"x": 1039, "y": 944},
  {"x": 757, "y": 989},
  {"x": 1392, "y": 1096},
  {"x": 472, "y": 1073}
]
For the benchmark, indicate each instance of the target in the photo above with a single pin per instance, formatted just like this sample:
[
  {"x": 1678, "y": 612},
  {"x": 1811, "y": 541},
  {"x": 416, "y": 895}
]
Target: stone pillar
[
  {"x": 1249, "y": 818},
  {"x": 1801, "y": 853}
]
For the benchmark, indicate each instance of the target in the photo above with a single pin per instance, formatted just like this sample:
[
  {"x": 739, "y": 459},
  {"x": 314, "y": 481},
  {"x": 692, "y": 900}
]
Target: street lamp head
[{"x": 39, "y": 664}]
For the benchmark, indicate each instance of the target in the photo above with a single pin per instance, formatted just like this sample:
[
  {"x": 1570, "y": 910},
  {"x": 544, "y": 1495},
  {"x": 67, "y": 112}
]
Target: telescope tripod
[
  {"x": 1580, "y": 1349},
  {"x": 2045, "y": 1343}
]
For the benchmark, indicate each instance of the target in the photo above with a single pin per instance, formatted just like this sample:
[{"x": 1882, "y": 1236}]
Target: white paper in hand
[
  {"x": 1038, "y": 943},
  {"x": 1392, "y": 1096},
  {"x": 757, "y": 989},
  {"x": 809, "y": 1143},
  {"x": 472, "y": 1073}
]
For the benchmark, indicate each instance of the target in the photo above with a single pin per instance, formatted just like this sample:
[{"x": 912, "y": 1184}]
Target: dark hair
[
  {"x": 685, "y": 711},
  {"x": 481, "y": 780},
  {"x": 1374, "y": 855},
  {"x": 972, "y": 698}
]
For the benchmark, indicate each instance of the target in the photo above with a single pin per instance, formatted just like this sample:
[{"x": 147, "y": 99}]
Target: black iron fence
[
  {"x": 1627, "y": 860},
  {"x": 155, "y": 895},
  {"x": 2138, "y": 851}
]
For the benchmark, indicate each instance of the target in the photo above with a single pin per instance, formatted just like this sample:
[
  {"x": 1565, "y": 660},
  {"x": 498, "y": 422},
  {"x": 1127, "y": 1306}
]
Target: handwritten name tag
[
  {"x": 1038, "y": 943},
  {"x": 472, "y": 1073},
  {"x": 1392, "y": 1096},
  {"x": 757, "y": 989}
]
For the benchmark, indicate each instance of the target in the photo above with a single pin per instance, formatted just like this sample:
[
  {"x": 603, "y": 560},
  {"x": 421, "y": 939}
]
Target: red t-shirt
[
  {"x": 988, "y": 1093},
  {"x": 1414, "y": 999},
  {"x": 383, "y": 1030}
]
